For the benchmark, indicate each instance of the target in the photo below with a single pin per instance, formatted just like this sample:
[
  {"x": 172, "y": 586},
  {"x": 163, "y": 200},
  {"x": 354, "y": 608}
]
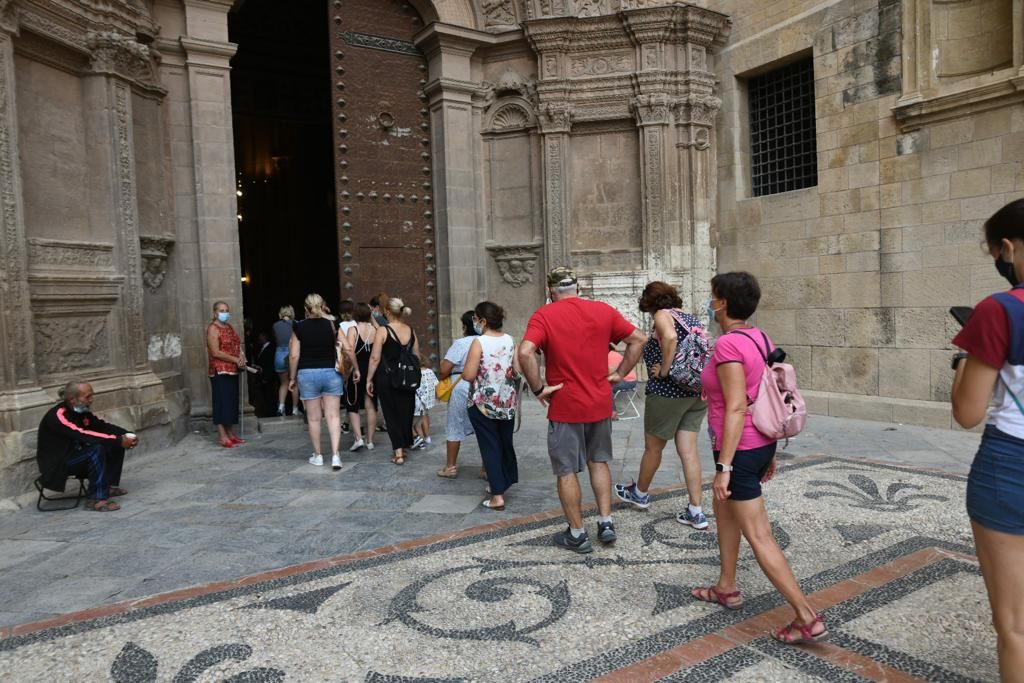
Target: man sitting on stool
[{"x": 70, "y": 436}]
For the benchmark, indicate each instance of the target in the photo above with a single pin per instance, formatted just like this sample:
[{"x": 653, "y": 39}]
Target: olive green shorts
[{"x": 663, "y": 417}]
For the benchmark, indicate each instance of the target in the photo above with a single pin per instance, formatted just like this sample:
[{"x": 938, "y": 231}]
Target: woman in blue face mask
[
  {"x": 989, "y": 385},
  {"x": 226, "y": 359}
]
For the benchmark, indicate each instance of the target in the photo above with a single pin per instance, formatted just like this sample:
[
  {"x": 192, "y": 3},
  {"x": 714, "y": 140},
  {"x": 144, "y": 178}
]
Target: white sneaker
[
  {"x": 369, "y": 445},
  {"x": 335, "y": 462},
  {"x": 428, "y": 441},
  {"x": 316, "y": 459},
  {"x": 356, "y": 446}
]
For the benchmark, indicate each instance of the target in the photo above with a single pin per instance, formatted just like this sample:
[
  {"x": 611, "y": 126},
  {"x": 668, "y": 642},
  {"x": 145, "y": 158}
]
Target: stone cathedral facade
[{"x": 845, "y": 152}]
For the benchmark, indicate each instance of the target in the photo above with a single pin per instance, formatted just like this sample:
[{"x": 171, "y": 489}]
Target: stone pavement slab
[{"x": 882, "y": 550}]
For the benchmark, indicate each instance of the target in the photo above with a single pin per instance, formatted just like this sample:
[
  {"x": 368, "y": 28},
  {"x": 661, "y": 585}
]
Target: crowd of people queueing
[{"x": 354, "y": 362}]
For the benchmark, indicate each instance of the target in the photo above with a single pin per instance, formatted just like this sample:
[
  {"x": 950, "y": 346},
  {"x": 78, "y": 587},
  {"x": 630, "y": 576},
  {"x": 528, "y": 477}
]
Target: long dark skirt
[
  {"x": 496, "y": 449},
  {"x": 225, "y": 399},
  {"x": 398, "y": 407}
]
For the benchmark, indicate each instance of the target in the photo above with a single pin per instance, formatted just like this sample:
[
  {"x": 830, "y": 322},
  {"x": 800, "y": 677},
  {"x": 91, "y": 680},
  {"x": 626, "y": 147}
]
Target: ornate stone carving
[
  {"x": 696, "y": 114},
  {"x": 510, "y": 117},
  {"x": 517, "y": 263},
  {"x": 66, "y": 344},
  {"x": 556, "y": 238},
  {"x": 13, "y": 272},
  {"x": 498, "y": 13},
  {"x": 651, "y": 109},
  {"x": 555, "y": 117},
  {"x": 119, "y": 54},
  {"x": 155, "y": 251},
  {"x": 512, "y": 82},
  {"x": 590, "y": 8},
  {"x": 599, "y": 65},
  {"x": 128, "y": 222},
  {"x": 653, "y": 180},
  {"x": 64, "y": 253}
]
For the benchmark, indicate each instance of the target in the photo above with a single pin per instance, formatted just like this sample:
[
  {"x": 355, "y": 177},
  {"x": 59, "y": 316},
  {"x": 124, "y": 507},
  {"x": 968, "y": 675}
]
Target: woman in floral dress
[{"x": 493, "y": 400}]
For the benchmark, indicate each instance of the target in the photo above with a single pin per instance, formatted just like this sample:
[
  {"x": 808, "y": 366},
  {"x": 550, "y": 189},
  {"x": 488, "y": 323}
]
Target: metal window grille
[{"x": 783, "y": 141}]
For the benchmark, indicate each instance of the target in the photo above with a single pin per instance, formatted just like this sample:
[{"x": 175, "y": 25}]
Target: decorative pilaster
[
  {"x": 555, "y": 124},
  {"x": 652, "y": 116},
  {"x": 695, "y": 118},
  {"x": 18, "y": 366}
]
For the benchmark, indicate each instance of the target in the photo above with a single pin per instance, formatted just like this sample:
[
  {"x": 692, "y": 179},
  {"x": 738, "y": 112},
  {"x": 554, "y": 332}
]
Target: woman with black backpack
[{"x": 394, "y": 373}]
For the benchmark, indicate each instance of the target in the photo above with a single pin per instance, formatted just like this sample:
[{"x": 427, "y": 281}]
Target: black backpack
[{"x": 403, "y": 373}]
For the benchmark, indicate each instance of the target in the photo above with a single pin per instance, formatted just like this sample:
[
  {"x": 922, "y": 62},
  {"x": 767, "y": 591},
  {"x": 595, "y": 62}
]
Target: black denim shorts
[{"x": 747, "y": 469}]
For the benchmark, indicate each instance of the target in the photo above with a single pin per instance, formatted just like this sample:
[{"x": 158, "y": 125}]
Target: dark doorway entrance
[{"x": 281, "y": 99}]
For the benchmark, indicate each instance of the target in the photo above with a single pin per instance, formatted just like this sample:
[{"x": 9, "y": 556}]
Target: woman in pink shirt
[{"x": 745, "y": 458}]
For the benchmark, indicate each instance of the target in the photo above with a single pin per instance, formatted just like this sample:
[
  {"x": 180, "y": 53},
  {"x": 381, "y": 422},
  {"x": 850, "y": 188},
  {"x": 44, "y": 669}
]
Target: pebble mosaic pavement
[{"x": 884, "y": 551}]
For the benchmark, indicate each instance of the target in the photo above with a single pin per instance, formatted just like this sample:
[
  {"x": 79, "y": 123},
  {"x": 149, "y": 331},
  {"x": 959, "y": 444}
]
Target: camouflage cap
[{"x": 562, "y": 276}]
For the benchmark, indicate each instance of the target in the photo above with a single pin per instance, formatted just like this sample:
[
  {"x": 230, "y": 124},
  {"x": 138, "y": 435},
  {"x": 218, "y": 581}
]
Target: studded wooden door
[{"x": 382, "y": 148}]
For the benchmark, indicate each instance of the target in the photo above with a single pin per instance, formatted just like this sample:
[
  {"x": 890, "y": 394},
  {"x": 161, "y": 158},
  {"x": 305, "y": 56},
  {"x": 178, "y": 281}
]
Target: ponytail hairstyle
[
  {"x": 491, "y": 313},
  {"x": 315, "y": 305},
  {"x": 397, "y": 307},
  {"x": 1005, "y": 224}
]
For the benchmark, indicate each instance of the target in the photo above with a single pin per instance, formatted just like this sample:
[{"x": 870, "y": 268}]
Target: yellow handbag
[{"x": 443, "y": 390}]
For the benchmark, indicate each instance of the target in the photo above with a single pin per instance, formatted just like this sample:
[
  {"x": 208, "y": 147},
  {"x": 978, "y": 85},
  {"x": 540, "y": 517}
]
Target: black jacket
[{"x": 62, "y": 432}]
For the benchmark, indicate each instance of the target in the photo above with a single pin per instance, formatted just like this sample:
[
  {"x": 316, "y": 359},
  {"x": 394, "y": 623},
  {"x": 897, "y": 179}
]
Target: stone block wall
[{"x": 858, "y": 272}]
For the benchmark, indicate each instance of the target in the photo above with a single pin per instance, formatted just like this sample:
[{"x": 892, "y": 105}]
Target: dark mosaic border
[
  {"x": 675, "y": 636},
  {"x": 611, "y": 661}
]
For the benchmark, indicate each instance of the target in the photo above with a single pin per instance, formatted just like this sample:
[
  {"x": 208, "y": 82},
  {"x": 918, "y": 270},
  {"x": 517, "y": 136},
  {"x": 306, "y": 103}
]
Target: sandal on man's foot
[
  {"x": 105, "y": 506},
  {"x": 117, "y": 491},
  {"x": 805, "y": 632},
  {"x": 448, "y": 472},
  {"x": 711, "y": 594}
]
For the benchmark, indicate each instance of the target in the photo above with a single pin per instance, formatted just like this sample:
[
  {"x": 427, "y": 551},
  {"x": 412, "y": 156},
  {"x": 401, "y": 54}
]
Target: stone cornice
[
  {"x": 918, "y": 112},
  {"x": 455, "y": 39},
  {"x": 208, "y": 52}
]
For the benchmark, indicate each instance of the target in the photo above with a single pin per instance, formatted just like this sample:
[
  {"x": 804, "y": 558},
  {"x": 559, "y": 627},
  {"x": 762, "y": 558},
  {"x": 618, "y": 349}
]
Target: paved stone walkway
[{"x": 886, "y": 550}]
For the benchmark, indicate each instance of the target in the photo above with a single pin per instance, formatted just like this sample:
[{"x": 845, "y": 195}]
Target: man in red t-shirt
[{"x": 574, "y": 334}]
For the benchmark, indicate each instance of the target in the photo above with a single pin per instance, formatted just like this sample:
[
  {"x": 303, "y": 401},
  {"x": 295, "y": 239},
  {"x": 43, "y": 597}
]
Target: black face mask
[{"x": 1007, "y": 270}]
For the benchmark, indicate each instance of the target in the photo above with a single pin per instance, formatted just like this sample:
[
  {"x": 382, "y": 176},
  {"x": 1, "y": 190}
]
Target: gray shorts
[{"x": 571, "y": 445}]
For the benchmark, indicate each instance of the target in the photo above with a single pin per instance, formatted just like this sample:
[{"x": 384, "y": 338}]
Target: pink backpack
[{"x": 778, "y": 411}]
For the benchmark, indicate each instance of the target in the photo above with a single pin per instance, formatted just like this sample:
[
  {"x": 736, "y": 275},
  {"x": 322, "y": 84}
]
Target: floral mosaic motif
[
  {"x": 866, "y": 495},
  {"x": 308, "y": 602},
  {"x": 405, "y": 606},
  {"x": 135, "y": 664},
  {"x": 654, "y": 532}
]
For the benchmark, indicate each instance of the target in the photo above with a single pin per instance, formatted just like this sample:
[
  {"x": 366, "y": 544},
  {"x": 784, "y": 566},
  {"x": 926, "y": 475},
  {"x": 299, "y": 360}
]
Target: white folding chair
[{"x": 629, "y": 410}]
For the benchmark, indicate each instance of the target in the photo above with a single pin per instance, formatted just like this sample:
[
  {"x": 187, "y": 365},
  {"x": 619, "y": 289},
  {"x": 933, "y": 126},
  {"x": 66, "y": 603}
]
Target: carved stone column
[
  {"x": 652, "y": 115},
  {"x": 555, "y": 124},
  {"x": 18, "y": 370},
  {"x": 116, "y": 61},
  {"x": 695, "y": 116}
]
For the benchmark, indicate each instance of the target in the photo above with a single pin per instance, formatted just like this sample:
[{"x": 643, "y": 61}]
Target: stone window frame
[
  {"x": 742, "y": 159},
  {"x": 926, "y": 101}
]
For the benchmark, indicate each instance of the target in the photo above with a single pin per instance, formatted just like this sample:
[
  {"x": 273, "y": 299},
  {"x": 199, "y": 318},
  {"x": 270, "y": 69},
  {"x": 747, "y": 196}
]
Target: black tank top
[{"x": 317, "y": 337}]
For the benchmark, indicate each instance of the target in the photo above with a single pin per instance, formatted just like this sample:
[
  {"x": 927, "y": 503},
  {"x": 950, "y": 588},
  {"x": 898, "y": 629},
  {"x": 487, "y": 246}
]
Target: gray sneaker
[
  {"x": 579, "y": 545},
  {"x": 698, "y": 521},
  {"x": 606, "y": 532},
  {"x": 629, "y": 494}
]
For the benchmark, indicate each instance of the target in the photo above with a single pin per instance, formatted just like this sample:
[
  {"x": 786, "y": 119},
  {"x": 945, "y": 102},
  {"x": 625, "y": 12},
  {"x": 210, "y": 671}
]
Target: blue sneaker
[
  {"x": 698, "y": 521},
  {"x": 628, "y": 494}
]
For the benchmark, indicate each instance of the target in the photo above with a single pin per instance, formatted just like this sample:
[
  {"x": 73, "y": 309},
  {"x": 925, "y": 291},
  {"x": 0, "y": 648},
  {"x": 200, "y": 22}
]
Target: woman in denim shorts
[
  {"x": 313, "y": 354},
  {"x": 282, "y": 336},
  {"x": 989, "y": 383}
]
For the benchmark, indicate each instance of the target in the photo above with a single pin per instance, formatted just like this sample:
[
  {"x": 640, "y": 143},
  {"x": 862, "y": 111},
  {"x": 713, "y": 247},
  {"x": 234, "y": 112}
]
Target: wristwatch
[
  {"x": 957, "y": 357},
  {"x": 538, "y": 392},
  {"x": 723, "y": 468}
]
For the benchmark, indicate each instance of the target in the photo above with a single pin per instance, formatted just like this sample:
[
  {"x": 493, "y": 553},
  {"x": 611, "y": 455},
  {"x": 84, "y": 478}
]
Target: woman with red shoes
[{"x": 226, "y": 360}]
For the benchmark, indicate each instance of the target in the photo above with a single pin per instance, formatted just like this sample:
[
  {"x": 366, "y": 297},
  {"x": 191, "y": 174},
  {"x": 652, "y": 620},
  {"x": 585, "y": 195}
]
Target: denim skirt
[{"x": 995, "y": 487}]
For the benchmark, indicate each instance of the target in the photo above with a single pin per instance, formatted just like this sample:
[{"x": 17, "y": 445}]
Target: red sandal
[
  {"x": 711, "y": 594},
  {"x": 784, "y": 634}
]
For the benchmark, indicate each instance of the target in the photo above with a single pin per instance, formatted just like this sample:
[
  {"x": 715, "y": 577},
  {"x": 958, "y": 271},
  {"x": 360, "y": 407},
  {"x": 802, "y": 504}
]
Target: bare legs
[
  {"x": 1001, "y": 556},
  {"x": 332, "y": 411},
  {"x": 314, "y": 413},
  {"x": 355, "y": 423},
  {"x": 282, "y": 391},
  {"x": 749, "y": 518},
  {"x": 371, "y": 418},
  {"x": 570, "y": 495},
  {"x": 686, "y": 448}
]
